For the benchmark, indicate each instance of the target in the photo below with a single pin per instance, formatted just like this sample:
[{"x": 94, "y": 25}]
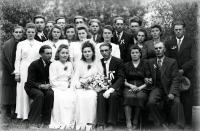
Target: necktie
[
  {"x": 118, "y": 36},
  {"x": 179, "y": 44},
  {"x": 159, "y": 62}
]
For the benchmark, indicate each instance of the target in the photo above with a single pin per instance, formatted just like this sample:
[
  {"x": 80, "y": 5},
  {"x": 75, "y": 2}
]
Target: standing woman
[
  {"x": 135, "y": 91},
  {"x": 70, "y": 33},
  {"x": 75, "y": 47},
  {"x": 27, "y": 52},
  {"x": 156, "y": 33},
  {"x": 9, "y": 84},
  {"x": 60, "y": 73},
  {"x": 54, "y": 40},
  {"x": 141, "y": 37},
  {"x": 86, "y": 101}
]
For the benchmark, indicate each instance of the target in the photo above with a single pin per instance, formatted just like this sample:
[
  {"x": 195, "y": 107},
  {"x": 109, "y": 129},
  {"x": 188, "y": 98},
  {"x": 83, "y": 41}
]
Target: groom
[{"x": 107, "y": 101}]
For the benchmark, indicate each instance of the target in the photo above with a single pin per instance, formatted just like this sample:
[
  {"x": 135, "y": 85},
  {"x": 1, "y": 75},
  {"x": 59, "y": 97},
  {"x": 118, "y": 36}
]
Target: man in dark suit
[
  {"x": 121, "y": 38},
  {"x": 39, "y": 21},
  {"x": 164, "y": 96},
  {"x": 107, "y": 101},
  {"x": 38, "y": 88},
  {"x": 183, "y": 49},
  {"x": 95, "y": 30}
]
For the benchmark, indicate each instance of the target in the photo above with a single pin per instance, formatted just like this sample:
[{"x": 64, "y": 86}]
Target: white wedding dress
[
  {"x": 63, "y": 111},
  {"x": 86, "y": 101}
]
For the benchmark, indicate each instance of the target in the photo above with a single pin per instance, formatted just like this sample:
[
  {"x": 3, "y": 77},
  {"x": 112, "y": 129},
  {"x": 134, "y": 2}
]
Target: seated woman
[
  {"x": 86, "y": 100},
  {"x": 135, "y": 91},
  {"x": 60, "y": 73}
]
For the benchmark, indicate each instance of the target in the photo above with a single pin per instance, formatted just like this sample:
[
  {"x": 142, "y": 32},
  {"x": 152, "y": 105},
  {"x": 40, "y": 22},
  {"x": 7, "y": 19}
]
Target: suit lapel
[
  {"x": 154, "y": 65},
  {"x": 183, "y": 44},
  {"x": 111, "y": 65}
]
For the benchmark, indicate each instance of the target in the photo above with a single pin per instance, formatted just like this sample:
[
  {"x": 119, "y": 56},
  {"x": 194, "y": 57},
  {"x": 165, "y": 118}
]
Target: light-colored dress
[
  {"x": 55, "y": 46},
  {"x": 27, "y": 51},
  {"x": 115, "y": 50},
  {"x": 86, "y": 101},
  {"x": 63, "y": 111}
]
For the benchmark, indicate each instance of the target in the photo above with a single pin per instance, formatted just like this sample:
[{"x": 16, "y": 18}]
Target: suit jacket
[
  {"x": 186, "y": 56},
  {"x": 117, "y": 66},
  {"x": 124, "y": 42},
  {"x": 40, "y": 39},
  {"x": 37, "y": 74},
  {"x": 169, "y": 75}
]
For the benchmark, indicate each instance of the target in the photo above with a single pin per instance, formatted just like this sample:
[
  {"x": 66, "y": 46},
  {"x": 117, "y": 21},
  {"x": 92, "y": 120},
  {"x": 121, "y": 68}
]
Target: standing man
[
  {"x": 60, "y": 21},
  {"x": 183, "y": 49},
  {"x": 8, "y": 92},
  {"x": 78, "y": 20},
  {"x": 164, "y": 102},
  {"x": 38, "y": 88},
  {"x": 108, "y": 100},
  {"x": 39, "y": 21},
  {"x": 95, "y": 30},
  {"x": 121, "y": 38}
]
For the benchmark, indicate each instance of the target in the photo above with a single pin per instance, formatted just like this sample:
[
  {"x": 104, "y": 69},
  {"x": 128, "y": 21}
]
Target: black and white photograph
[{"x": 99, "y": 65}]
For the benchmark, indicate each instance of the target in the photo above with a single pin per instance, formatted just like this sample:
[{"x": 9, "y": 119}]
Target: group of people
[{"x": 49, "y": 76}]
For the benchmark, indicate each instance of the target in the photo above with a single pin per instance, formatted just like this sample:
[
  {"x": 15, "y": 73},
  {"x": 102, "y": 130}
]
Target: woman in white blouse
[
  {"x": 55, "y": 40},
  {"x": 27, "y": 51},
  {"x": 107, "y": 35},
  {"x": 86, "y": 98},
  {"x": 60, "y": 73},
  {"x": 75, "y": 47}
]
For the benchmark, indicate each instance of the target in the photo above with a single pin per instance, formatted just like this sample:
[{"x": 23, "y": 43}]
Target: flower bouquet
[{"x": 96, "y": 82}]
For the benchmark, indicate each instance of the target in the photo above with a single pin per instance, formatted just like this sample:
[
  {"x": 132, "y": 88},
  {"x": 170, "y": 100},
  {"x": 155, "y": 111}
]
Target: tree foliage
[{"x": 161, "y": 12}]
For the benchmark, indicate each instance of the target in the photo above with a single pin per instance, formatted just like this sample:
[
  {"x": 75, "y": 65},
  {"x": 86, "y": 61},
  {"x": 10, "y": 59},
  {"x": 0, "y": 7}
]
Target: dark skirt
[{"x": 135, "y": 99}]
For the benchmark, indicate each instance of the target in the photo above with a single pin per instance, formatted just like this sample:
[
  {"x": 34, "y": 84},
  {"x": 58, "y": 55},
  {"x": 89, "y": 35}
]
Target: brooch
[
  {"x": 89, "y": 67},
  {"x": 122, "y": 42},
  {"x": 65, "y": 68}
]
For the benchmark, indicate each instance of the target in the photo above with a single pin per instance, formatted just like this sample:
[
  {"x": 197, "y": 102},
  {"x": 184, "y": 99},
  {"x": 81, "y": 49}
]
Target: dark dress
[{"x": 136, "y": 75}]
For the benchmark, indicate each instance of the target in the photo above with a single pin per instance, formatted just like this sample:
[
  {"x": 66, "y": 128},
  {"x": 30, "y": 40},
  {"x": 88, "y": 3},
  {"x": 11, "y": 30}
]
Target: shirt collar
[
  {"x": 180, "y": 39},
  {"x": 108, "y": 61},
  {"x": 161, "y": 59}
]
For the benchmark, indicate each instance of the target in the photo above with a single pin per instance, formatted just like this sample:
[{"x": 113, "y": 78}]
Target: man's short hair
[
  {"x": 38, "y": 16},
  {"x": 94, "y": 20},
  {"x": 79, "y": 17},
  {"x": 106, "y": 44},
  {"x": 118, "y": 18},
  {"x": 135, "y": 19},
  {"x": 41, "y": 51},
  {"x": 179, "y": 22},
  {"x": 59, "y": 19}
]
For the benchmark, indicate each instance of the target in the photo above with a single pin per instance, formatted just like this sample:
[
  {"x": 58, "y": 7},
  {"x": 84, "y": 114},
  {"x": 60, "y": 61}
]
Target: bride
[
  {"x": 86, "y": 100},
  {"x": 60, "y": 73}
]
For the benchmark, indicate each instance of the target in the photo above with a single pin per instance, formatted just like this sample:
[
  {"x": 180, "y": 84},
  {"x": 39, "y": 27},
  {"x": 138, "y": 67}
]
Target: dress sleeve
[
  {"x": 116, "y": 51},
  {"x": 18, "y": 58},
  {"x": 57, "y": 79}
]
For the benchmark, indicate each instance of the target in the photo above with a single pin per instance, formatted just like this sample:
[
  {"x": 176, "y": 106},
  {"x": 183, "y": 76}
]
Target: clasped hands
[
  {"x": 134, "y": 88},
  {"x": 45, "y": 86},
  {"x": 107, "y": 93}
]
